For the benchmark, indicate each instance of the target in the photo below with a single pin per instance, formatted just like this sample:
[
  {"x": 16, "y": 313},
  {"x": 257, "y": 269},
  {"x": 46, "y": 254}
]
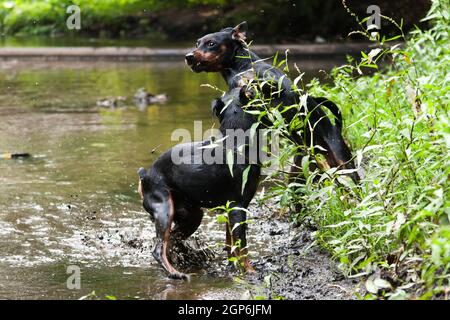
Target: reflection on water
[{"x": 75, "y": 201}]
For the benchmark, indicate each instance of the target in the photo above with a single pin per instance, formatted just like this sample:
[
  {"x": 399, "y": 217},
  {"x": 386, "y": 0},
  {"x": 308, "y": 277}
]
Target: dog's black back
[{"x": 208, "y": 184}]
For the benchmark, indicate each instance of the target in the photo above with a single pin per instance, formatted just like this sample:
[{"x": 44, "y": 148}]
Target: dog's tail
[
  {"x": 339, "y": 153},
  {"x": 330, "y": 105}
]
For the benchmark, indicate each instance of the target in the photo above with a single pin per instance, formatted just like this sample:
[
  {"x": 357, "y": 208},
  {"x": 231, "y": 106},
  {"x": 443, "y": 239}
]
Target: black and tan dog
[
  {"x": 180, "y": 182},
  {"x": 226, "y": 52}
]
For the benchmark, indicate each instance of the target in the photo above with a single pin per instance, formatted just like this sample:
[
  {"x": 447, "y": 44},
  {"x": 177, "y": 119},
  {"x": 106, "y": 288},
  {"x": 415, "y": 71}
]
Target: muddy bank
[
  {"x": 295, "y": 267},
  {"x": 288, "y": 263}
]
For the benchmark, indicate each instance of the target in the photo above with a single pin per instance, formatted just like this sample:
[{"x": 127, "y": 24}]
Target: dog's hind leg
[
  {"x": 228, "y": 240},
  {"x": 238, "y": 228},
  {"x": 164, "y": 214},
  {"x": 187, "y": 220}
]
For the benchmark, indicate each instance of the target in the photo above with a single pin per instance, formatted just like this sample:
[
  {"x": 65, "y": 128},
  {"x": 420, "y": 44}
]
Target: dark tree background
[
  {"x": 269, "y": 20},
  {"x": 288, "y": 20}
]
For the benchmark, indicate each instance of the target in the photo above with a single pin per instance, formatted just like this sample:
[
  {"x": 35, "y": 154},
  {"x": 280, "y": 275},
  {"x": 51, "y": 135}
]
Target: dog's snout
[{"x": 190, "y": 58}]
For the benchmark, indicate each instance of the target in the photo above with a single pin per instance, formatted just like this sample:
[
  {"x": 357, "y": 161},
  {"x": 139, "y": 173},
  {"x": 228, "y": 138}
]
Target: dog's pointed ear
[
  {"x": 217, "y": 106},
  {"x": 141, "y": 172},
  {"x": 240, "y": 31}
]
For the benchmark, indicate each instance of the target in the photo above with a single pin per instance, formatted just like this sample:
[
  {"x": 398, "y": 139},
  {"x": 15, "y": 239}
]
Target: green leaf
[
  {"x": 268, "y": 281},
  {"x": 370, "y": 286},
  {"x": 372, "y": 54},
  {"x": 230, "y": 160},
  {"x": 275, "y": 59},
  {"x": 381, "y": 283},
  {"x": 245, "y": 178},
  {"x": 233, "y": 260},
  {"x": 222, "y": 218}
]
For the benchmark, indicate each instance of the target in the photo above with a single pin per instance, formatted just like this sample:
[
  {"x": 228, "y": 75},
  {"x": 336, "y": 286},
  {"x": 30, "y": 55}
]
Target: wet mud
[{"x": 289, "y": 265}]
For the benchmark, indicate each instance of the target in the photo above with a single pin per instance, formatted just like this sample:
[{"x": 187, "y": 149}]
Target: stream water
[{"x": 75, "y": 201}]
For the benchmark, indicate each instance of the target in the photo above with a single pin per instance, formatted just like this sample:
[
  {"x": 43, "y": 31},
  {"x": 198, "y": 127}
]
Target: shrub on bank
[{"x": 394, "y": 227}]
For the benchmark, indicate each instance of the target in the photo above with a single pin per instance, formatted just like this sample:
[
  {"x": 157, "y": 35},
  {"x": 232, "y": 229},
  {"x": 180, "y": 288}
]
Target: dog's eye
[{"x": 211, "y": 43}]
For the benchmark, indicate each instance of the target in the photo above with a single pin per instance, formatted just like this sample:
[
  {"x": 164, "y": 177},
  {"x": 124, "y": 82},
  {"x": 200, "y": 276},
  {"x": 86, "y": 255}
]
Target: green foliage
[
  {"x": 271, "y": 20},
  {"x": 33, "y": 16},
  {"x": 49, "y": 16},
  {"x": 393, "y": 228}
]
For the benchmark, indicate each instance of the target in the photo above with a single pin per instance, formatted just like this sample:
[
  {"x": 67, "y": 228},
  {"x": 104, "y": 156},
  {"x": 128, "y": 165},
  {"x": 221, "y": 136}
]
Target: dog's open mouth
[{"x": 197, "y": 66}]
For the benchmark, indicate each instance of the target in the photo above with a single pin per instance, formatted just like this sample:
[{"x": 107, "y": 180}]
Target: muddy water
[{"x": 75, "y": 201}]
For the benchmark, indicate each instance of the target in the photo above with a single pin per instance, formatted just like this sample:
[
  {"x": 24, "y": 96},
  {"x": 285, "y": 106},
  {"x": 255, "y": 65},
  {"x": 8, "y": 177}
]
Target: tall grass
[{"x": 393, "y": 228}]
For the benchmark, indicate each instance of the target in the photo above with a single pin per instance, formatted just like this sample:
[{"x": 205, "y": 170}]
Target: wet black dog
[
  {"x": 182, "y": 181},
  {"x": 227, "y": 53}
]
